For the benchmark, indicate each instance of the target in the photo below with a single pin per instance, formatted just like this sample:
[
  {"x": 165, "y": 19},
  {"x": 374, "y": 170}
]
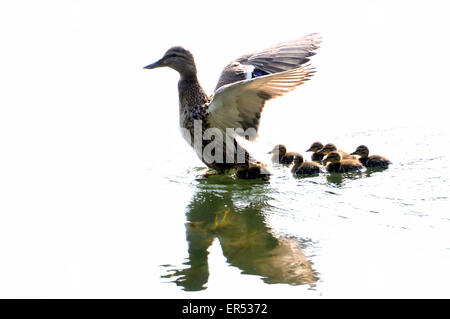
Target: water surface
[{"x": 375, "y": 233}]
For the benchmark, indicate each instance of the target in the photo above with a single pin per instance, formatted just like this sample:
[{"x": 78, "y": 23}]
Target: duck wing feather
[
  {"x": 239, "y": 104},
  {"x": 279, "y": 58}
]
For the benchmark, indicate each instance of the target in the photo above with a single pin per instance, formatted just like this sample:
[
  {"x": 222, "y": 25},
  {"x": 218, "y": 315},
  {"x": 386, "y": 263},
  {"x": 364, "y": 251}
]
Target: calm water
[{"x": 377, "y": 233}]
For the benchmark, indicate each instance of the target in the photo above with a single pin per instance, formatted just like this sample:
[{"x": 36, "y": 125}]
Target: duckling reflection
[{"x": 234, "y": 214}]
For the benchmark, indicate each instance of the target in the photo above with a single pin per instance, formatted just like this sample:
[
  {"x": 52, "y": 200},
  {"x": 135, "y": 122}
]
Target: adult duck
[{"x": 240, "y": 95}]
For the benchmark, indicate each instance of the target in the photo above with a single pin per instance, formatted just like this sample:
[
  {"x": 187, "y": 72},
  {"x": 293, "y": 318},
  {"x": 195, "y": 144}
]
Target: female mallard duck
[
  {"x": 372, "y": 160},
  {"x": 252, "y": 171},
  {"x": 315, "y": 147},
  {"x": 281, "y": 156},
  {"x": 330, "y": 147},
  {"x": 236, "y": 105},
  {"x": 302, "y": 167},
  {"x": 336, "y": 164}
]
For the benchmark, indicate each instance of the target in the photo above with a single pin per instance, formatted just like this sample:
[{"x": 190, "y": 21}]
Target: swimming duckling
[
  {"x": 304, "y": 168},
  {"x": 315, "y": 147},
  {"x": 336, "y": 164},
  {"x": 372, "y": 160},
  {"x": 330, "y": 147},
  {"x": 281, "y": 156},
  {"x": 252, "y": 171}
]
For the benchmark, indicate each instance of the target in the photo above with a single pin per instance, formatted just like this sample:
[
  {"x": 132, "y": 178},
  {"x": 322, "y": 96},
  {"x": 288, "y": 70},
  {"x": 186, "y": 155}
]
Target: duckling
[
  {"x": 281, "y": 156},
  {"x": 252, "y": 171},
  {"x": 330, "y": 147},
  {"x": 302, "y": 167},
  {"x": 336, "y": 164},
  {"x": 372, "y": 160},
  {"x": 315, "y": 147}
]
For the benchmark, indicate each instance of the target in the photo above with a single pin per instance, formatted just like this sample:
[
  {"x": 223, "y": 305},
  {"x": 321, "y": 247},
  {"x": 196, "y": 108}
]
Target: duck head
[
  {"x": 179, "y": 59},
  {"x": 327, "y": 149},
  {"x": 278, "y": 149},
  {"x": 333, "y": 157},
  {"x": 316, "y": 146}
]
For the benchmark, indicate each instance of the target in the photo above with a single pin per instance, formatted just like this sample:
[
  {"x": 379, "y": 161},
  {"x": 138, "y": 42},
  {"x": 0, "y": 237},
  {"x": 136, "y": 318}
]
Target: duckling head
[
  {"x": 333, "y": 157},
  {"x": 316, "y": 146},
  {"x": 362, "y": 151},
  {"x": 278, "y": 149},
  {"x": 327, "y": 149},
  {"x": 179, "y": 59}
]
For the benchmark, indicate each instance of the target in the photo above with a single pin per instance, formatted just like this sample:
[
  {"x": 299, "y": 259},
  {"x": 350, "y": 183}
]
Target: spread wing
[
  {"x": 281, "y": 57},
  {"x": 239, "y": 105}
]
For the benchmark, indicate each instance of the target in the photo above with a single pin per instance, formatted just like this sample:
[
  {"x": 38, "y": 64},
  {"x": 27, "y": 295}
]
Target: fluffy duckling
[
  {"x": 336, "y": 164},
  {"x": 330, "y": 147},
  {"x": 315, "y": 147},
  {"x": 281, "y": 156},
  {"x": 304, "y": 168},
  {"x": 372, "y": 160},
  {"x": 252, "y": 171},
  {"x": 244, "y": 86}
]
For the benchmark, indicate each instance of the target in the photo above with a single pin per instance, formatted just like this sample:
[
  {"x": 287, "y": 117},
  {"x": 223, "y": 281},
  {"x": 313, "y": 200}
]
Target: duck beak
[
  {"x": 354, "y": 153},
  {"x": 155, "y": 65},
  {"x": 270, "y": 152},
  {"x": 309, "y": 150}
]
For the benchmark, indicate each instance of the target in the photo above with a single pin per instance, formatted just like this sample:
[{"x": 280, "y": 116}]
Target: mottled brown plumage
[
  {"x": 302, "y": 167},
  {"x": 336, "y": 164},
  {"x": 372, "y": 160}
]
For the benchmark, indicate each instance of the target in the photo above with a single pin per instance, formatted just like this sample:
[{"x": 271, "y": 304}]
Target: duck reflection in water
[{"x": 233, "y": 213}]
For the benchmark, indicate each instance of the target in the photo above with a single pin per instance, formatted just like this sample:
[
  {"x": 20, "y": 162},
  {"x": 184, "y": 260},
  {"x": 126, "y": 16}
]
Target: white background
[{"x": 80, "y": 120}]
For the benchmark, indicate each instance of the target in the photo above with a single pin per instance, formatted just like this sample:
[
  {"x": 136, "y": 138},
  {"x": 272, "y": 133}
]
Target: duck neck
[{"x": 190, "y": 92}]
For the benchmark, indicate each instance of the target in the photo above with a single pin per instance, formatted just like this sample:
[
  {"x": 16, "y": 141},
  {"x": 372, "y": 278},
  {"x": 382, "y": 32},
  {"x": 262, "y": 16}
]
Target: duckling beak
[
  {"x": 270, "y": 152},
  {"x": 354, "y": 153},
  {"x": 155, "y": 65},
  {"x": 309, "y": 150}
]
